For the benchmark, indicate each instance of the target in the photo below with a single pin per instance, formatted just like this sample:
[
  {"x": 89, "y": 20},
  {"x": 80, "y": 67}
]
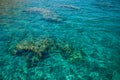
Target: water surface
[{"x": 85, "y": 45}]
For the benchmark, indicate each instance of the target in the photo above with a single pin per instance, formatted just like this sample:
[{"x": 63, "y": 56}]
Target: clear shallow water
[{"x": 93, "y": 32}]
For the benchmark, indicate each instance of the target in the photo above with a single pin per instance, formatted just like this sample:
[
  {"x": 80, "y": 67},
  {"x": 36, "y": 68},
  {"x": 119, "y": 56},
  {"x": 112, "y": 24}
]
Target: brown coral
[
  {"x": 36, "y": 46},
  {"x": 70, "y": 53},
  {"x": 76, "y": 56},
  {"x": 42, "y": 47}
]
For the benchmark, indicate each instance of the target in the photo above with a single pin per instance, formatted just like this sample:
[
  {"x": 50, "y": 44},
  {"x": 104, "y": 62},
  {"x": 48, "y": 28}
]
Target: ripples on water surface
[{"x": 83, "y": 45}]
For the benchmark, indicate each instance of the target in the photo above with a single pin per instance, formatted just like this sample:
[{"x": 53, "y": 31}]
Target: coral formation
[
  {"x": 26, "y": 45},
  {"x": 46, "y": 14},
  {"x": 76, "y": 56},
  {"x": 39, "y": 47},
  {"x": 70, "y": 53},
  {"x": 35, "y": 49},
  {"x": 66, "y": 48}
]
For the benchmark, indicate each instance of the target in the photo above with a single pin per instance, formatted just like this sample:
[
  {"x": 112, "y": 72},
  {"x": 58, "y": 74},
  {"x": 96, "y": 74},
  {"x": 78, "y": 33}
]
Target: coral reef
[
  {"x": 66, "y": 48},
  {"x": 75, "y": 57},
  {"x": 26, "y": 45},
  {"x": 39, "y": 47},
  {"x": 70, "y": 53},
  {"x": 34, "y": 50},
  {"x": 46, "y": 14}
]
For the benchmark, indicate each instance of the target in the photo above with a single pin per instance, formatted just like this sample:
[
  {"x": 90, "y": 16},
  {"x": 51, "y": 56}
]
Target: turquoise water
[{"x": 83, "y": 43}]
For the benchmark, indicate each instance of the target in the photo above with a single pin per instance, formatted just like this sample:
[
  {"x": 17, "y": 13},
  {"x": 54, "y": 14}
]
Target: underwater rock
[
  {"x": 70, "y": 7},
  {"x": 46, "y": 14}
]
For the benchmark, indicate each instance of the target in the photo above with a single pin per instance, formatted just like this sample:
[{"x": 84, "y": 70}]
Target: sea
[{"x": 59, "y": 39}]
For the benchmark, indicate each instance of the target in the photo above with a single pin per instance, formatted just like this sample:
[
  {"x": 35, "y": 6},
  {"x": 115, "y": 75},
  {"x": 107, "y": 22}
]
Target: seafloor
[{"x": 59, "y": 39}]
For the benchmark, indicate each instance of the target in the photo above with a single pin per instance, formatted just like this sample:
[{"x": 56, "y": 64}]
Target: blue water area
[{"x": 59, "y": 39}]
